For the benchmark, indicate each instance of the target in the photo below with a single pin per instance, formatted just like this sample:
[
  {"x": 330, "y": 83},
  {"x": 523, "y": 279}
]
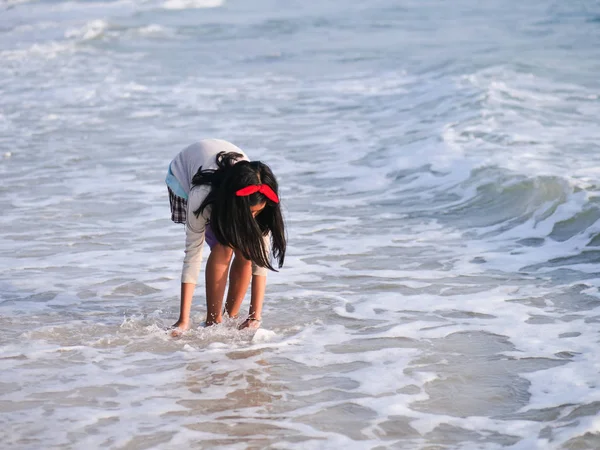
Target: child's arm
[
  {"x": 187, "y": 292},
  {"x": 194, "y": 241}
]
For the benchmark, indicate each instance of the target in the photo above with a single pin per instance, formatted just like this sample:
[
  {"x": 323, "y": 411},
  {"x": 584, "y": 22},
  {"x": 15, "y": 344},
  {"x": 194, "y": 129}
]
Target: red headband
[{"x": 262, "y": 188}]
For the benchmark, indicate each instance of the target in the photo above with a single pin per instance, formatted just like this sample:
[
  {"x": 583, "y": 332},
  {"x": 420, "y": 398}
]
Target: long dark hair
[{"x": 231, "y": 219}]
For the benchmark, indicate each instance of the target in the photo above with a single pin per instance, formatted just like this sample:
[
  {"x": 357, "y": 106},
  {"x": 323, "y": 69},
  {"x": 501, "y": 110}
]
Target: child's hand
[{"x": 253, "y": 324}]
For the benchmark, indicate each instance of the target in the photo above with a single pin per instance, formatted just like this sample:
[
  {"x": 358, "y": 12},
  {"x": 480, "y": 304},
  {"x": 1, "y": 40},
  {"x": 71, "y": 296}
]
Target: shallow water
[{"x": 439, "y": 166}]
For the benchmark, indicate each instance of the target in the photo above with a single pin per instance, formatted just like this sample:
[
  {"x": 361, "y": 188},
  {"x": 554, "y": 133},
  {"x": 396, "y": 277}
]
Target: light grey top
[{"x": 203, "y": 153}]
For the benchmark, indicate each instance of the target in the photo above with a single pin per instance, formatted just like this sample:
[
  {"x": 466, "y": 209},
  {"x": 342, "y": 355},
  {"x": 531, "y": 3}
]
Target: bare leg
[
  {"x": 239, "y": 280},
  {"x": 217, "y": 267}
]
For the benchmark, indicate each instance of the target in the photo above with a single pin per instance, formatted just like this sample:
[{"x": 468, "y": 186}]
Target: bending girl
[{"x": 232, "y": 204}]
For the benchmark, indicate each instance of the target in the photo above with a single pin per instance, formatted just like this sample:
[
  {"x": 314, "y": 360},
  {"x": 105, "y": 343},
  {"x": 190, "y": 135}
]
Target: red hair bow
[{"x": 262, "y": 188}]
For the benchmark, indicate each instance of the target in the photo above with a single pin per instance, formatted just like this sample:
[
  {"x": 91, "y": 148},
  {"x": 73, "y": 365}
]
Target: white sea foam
[
  {"x": 192, "y": 4},
  {"x": 91, "y": 30},
  {"x": 48, "y": 50},
  {"x": 155, "y": 30}
]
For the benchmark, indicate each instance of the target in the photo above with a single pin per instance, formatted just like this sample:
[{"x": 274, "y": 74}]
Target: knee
[
  {"x": 222, "y": 252},
  {"x": 241, "y": 261}
]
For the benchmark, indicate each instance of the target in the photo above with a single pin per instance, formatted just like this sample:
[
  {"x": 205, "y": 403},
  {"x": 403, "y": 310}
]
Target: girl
[{"x": 232, "y": 203}]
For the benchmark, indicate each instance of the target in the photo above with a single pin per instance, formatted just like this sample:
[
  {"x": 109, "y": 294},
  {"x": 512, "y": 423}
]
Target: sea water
[{"x": 439, "y": 167}]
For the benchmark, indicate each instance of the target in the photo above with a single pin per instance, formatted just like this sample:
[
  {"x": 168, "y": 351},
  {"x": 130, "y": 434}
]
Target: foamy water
[{"x": 439, "y": 168}]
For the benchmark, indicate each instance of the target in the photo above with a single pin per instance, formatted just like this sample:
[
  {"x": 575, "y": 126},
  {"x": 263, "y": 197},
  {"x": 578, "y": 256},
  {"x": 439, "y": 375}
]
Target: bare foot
[
  {"x": 211, "y": 322},
  {"x": 178, "y": 328},
  {"x": 252, "y": 324}
]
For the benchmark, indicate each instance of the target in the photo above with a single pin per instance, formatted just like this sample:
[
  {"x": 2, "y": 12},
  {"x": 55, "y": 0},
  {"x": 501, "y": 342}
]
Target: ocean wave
[
  {"x": 12, "y": 3},
  {"x": 527, "y": 122},
  {"x": 91, "y": 30},
  {"x": 48, "y": 50},
  {"x": 192, "y": 4},
  {"x": 507, "y": 220}
]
